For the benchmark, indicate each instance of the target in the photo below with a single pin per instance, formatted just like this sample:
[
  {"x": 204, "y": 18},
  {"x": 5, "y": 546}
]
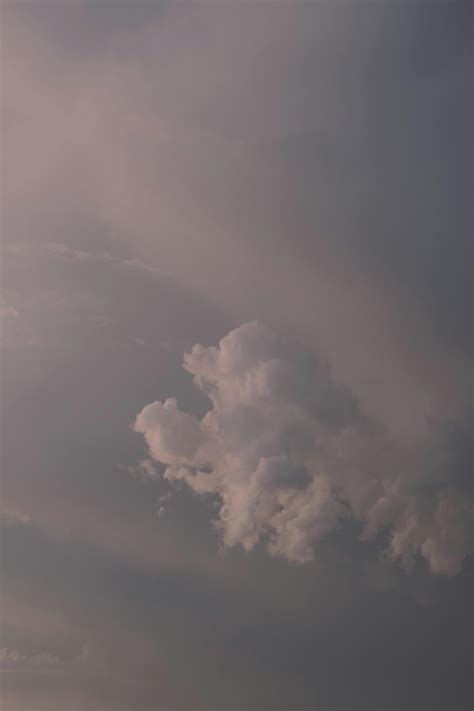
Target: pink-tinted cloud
[{"x": 289, "y": 455}]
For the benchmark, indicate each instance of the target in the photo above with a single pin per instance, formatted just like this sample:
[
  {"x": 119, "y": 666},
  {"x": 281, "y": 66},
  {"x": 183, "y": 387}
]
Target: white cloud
[
  {"x": 171, "y": 435},
  {"x": 289, "y": 454}
]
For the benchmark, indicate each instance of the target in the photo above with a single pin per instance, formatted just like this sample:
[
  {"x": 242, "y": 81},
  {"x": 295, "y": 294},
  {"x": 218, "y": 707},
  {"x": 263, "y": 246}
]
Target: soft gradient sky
[{"x": 172, "y": 171}]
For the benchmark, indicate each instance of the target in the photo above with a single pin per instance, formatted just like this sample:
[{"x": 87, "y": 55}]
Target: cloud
[
  {"x": 264, "y": 160},
  {"x": 8, "y": 312},
  {"x": 42, "y": 659},
  {"x": 13, "y": 517},
  {"x": 290, "y": 455}
]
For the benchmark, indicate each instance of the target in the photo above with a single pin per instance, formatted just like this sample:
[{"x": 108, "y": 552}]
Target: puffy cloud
[
  {"x": 172, "y": 436},
  {"x": 441, "y": 534},
  {"x": 289, "y": 454}
]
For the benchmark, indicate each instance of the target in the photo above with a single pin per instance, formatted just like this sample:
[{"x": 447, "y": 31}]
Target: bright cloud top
[{"x": 289, "y": 454}]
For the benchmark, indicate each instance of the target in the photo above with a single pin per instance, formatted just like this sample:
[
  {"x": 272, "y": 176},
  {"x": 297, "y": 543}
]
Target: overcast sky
[{"x": 236, "y": 355}]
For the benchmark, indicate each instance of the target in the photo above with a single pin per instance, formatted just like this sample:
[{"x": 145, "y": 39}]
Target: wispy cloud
[
  {"x": 8, "y": 312},
  {"x": 41, "y": 662},
  {"x": 13, "y": 517}
]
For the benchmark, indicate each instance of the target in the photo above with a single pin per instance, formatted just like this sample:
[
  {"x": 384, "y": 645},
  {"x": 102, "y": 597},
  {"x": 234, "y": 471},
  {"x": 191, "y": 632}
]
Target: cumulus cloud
[{"x": 290, "y": 455}]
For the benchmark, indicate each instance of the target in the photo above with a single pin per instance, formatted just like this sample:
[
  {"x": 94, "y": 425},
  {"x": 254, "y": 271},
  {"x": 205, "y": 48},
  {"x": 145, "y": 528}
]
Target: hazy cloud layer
[
  {"x": 290, "y": 455},
  {"x": 269, "y": 144},
  {"x": 171, "y": 170}
]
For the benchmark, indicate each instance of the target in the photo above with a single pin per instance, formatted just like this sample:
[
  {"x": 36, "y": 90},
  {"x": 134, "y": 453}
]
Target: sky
[{"x": 236, "y": 355}]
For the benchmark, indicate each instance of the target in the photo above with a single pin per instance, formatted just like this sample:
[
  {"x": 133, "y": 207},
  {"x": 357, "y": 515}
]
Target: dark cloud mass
[{"x": 280, "y": 191}]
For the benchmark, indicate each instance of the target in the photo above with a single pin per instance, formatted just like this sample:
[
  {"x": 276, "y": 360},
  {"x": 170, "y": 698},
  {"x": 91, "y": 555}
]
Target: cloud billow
[{"x": 289, "y": 454}]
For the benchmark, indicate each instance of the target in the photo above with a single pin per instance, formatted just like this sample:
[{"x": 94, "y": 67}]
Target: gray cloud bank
[{"x": 290, "y": 455}]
